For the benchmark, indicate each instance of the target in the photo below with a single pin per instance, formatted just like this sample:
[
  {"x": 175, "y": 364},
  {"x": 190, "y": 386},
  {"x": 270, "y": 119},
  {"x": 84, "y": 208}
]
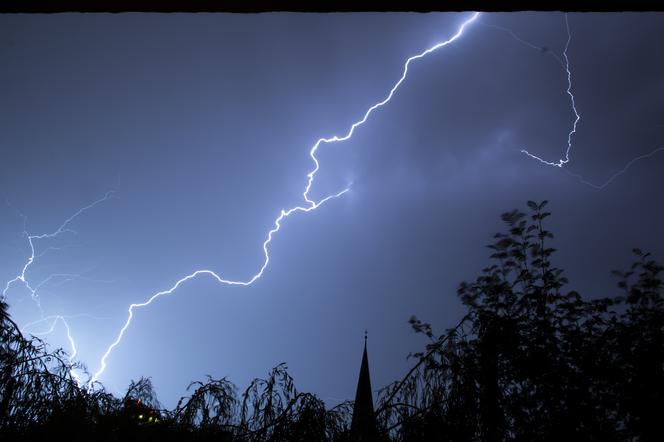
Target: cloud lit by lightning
[{"x": 311, "y": 204}]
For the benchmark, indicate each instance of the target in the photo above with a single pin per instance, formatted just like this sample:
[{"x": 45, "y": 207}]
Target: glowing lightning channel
[
  {"x": 54, "y": 320},
  {"x": 277, "y": 225},
  {"x": 72, "y": 342},
  {"x": 335, "y": 138},
  {"x": 561, "y": 162},
  {"x": 22, "y": 278},
  {"x": 565, "y": 65},
  {"x": 619, "y": 172},
  {"x": 312, "y": 205}
]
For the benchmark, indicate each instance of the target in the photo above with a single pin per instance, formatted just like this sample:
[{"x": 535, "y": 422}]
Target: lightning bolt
[
  {"x": 54, "y": 320},
  {"x": 22, "y": 278},
  {"x": 561, "y": 162},
  {"x": 72, "y": 343},
  {"x": 311, "y": 204},
  {"x": 565, "y": 65},
  {"x": 619, "y": 172}
]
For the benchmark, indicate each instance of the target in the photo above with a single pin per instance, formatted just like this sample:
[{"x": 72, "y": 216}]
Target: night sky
[{"x": 202, "y": 124}]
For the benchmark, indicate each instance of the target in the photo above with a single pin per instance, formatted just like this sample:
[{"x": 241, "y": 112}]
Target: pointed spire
[{"x": 363, "y": 425}]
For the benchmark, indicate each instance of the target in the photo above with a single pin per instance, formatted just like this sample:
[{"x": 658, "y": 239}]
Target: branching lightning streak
[
  {"x": 72, "y": 342},
  {"x": 54, "y": 320},
  {"x": 311, "y": 204},
  {"x": 31, "y": 238},
  {"x": 619, "y": 172},
  {"x": 565, "y": 65},
  {"x": 526, "y": 43},
  {"x": 22, "y": 278},
  {"x": 277, "y": 226},
  {"x": 561, "y": 162}
]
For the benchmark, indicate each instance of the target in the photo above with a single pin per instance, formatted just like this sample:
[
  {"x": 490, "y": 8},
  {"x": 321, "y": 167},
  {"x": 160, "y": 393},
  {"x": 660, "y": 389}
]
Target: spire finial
[{"x": 365, "y": 336}]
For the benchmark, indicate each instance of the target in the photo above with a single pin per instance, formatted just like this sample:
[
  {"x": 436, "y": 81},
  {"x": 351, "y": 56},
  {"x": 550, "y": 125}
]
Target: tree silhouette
[{"x": 529, "y": 361}]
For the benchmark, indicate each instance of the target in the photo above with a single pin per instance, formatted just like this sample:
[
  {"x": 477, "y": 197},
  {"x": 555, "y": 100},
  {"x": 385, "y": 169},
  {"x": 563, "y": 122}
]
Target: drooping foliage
[{"x": 529, "y": 361}]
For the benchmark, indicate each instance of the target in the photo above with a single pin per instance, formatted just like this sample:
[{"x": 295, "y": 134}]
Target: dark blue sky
[{"x": 202, "y": 124}]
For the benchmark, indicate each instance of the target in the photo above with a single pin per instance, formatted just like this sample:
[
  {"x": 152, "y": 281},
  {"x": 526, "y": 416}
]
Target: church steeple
[{"x": 363, "y": 425}]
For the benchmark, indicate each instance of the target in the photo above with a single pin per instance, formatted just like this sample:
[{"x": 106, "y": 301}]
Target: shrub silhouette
[{"x": 529, "y": 361}]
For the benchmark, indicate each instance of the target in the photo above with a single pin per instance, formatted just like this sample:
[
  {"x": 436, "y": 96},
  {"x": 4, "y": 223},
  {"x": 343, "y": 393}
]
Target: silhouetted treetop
[{"x": 530, "y": 360}]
